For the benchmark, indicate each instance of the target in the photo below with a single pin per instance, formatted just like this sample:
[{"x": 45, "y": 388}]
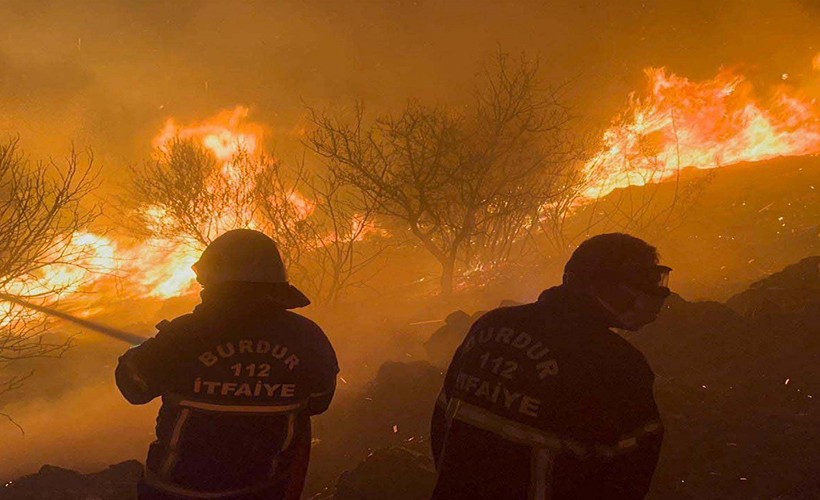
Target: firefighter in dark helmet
[
  {"x": 239, "y": 379},
  {"x": 544, "y": 400}
]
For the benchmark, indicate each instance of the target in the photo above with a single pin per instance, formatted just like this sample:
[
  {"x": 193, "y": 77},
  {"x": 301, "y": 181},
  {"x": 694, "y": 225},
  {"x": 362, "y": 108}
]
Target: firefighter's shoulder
[
  {"x": 503, "y": 316},
  {"x": 311, "y": 334},
  {"x": 303, "y": 324},
  {"x": 176, "y": 326}
]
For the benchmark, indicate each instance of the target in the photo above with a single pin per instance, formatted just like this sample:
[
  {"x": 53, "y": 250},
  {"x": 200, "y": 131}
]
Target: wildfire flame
[
  {"x": 89, "y": 253},
  {"x": 228, "y": 135},
  {"x": 162, "y": 268},
  {"x": 165, "y": 266},
  {"x": 704, "y": 124},
  {"x": 155, "y": 267},
  {"x": 677, "y": 123},
  {"x": 225, "y": 134}
]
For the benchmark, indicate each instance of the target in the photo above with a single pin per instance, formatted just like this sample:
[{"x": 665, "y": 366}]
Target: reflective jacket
[
  {"x": 544, "y": 401},
  {"x": 239, "y": 379}
]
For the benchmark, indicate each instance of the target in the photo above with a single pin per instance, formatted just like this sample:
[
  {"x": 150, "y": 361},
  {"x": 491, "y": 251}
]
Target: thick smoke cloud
[{"x": 107, "y": 73}]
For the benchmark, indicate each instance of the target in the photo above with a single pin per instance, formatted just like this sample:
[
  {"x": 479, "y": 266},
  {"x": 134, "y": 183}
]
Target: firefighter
[
  {"x": 239, "y": 379},
  {"x": 545, "y": 400}
]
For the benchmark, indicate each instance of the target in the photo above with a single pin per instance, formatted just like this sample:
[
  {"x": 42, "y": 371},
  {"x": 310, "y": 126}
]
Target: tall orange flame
[
  {"x": 225, "y": 134},
  {"x": 683, "y": 123},
  {"x": 228, "y": 135}
]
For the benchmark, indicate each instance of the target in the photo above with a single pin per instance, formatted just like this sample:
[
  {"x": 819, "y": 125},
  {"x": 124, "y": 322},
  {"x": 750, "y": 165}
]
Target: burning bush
[{"x": 207, "y": 179}]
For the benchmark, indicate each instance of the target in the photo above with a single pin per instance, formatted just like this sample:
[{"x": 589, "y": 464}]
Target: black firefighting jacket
[
  {"x": 239, "y": 379},
  {"x": 544, "y": 401}
]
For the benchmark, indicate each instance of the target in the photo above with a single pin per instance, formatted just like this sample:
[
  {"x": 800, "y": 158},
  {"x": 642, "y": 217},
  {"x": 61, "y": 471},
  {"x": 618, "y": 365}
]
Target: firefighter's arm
[
  {"x": 130, "y": 380},
  {"x": 636, "y": 468},
  {"x": 630, "y": 474},
  {"x": 141, "y": 370},
  {"x": 323, "y": 376},
  {"x": 637, "y": 452},
  {"x": 319, "y": 401}
]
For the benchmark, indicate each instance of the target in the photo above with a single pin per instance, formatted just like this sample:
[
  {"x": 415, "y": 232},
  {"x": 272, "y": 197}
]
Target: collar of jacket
[
  {"x": 238, "y": 297},
  {"x": 578, "y": 308}
]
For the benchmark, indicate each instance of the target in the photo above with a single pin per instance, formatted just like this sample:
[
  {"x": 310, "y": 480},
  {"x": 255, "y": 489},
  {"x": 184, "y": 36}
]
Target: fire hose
[{"x": 106, "y": 330}]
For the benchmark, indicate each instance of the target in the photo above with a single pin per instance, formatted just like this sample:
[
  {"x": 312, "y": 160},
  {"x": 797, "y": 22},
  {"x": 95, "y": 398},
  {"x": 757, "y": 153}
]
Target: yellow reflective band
[
  {"x": 629, "y": 441},
  {"x": 173, "y": 444},
  {"x": 321, "y": 394},
  {"x": 228, "y": 408},
  {"x": 531, "y": 436},
  {"x": 291, "y": 431},
  {"x": 541, "y": 465},
  {"x": 241, "y": 408},
  {"x": 442, "y": 400},
  {"x": 512, "y": 430},
  {"x": 652, "y": 427}
]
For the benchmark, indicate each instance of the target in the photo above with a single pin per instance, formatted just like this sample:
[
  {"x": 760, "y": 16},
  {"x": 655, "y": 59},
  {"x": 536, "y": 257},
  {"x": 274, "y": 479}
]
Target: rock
[
  {"x": 117, "y": 482},
  {"x": 707, "y": 335},
  {"x": 788, "y": 291},
  {"x": 394, "y": 410},
  {"x": 397, "y": 473}
]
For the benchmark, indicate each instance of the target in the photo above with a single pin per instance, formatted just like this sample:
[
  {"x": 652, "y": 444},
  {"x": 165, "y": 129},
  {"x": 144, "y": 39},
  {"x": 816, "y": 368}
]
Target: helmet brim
[{"x": 288, "y": 296}]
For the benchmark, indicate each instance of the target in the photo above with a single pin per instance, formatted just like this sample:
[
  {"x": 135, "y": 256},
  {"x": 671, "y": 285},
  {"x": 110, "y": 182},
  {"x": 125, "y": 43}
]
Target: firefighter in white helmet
[
  {"x": 239, "y": 379},
  {"x": 544, "y": 400}
]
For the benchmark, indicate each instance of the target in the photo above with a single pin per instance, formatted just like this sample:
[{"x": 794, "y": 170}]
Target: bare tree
[
  {"x": 466, "y": 182},
  {"x": 186, "y": 194},
  {"x": 284, "y": 211},
  {"x": 317, "y": 223},
  {"x": 321, "y": 224},
  {"x": 40, "y": 212},
  {"x": 348, "y": 242}
]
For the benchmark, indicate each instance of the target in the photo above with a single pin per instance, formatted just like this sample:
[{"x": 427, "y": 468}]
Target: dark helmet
[
  {"x": 248, "y": 256},
  {"x": 617, "y": 258}
]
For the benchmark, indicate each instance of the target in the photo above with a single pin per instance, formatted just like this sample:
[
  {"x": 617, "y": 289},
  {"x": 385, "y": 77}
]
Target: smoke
[
  {"x": 88, "y": 430},
  {"x": 107, "y": 74}
]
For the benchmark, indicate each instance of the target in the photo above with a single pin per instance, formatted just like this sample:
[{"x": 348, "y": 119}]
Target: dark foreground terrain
[{"x": 737, "y": 383}]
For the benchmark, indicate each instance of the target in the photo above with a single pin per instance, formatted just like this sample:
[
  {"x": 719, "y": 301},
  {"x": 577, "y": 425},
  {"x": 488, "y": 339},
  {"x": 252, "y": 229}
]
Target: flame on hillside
[{"x": 707, "y": 124}]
